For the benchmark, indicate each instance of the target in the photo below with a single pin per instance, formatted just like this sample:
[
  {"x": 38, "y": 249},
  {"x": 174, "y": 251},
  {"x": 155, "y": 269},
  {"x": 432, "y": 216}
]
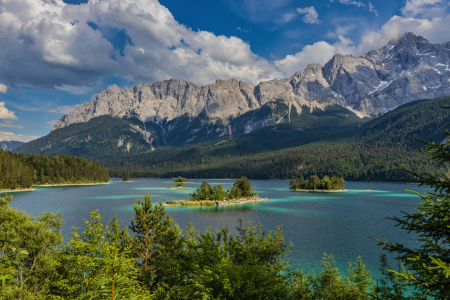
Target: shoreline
[
  {"x": 318, "y": 191},
  {"x": 71, "y": 184},
  {"x": 221, "y": 203},
  {"x": 177, "y": 188},
  {"x": 17, "y": 190}
]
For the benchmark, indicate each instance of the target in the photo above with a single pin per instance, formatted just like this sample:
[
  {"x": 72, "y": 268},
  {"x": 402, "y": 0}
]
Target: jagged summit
[{"x": 407, "y": 68}]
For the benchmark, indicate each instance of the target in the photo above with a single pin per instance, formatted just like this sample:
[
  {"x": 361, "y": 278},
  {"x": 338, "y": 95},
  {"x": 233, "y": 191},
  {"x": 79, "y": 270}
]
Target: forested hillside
[
  {"x": 377, "y": 150},
  {"x": 23, "y": 171}
]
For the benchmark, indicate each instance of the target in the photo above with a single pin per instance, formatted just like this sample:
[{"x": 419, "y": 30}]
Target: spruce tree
[{"x": 427, "y": 266}]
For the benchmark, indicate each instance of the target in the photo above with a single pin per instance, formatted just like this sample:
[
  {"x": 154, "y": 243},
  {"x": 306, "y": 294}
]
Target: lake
[{"x": 338, "y": 223}]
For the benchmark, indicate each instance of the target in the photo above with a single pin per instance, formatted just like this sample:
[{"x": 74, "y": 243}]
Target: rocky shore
[
  {"x": 17, "y": 190},
  {"x": 318, "y": 191},
  {"x": 216, "y": 203}
]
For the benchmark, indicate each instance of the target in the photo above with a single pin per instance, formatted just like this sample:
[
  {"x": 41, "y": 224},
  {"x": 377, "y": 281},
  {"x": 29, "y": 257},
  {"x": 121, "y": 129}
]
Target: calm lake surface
[{"x": 338, "y": 223}]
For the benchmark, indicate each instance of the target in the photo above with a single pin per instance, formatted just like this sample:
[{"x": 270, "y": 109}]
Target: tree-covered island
[
  {"x": 126, "y": 178},
  {"x": 180, "y": 181},
  {"x": 240, "y": 193},
  {"x": 314, "y": 183}
]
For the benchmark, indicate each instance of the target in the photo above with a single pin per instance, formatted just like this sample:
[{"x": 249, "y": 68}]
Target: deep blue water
[{"x": 337, "y": 223}]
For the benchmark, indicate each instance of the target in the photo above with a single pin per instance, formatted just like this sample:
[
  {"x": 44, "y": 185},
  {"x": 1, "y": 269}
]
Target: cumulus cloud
[
  {"x": 3, "y": 88},
  {"x": 417, "y": 7},
  {"x": 311, "y": 15},
  {"x": 65, "y": 109},
  {"x": 53, "y": 44},
  {"x": 429, "y": 21},
  {"x": 319, "y": 52},
  {"x": 6, "y": 114},
  {"x": 9, "y": 136}
]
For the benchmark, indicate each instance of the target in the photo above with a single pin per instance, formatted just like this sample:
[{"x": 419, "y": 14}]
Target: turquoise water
[{"x": 338, "y": 223}]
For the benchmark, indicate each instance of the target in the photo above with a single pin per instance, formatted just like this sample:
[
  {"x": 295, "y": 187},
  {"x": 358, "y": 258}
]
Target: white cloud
[
  {"x": 350, "y": 2},
  {"x": 360, "y": 4},
  {"x": 319, "y": 52},
  {"x": 372, "y": 9},
  {"x": 50, "y": 44},
  {"x": 435, "y": 29},
  {"x": 9, "y": 136},
  {"x": 311, "y": 15},
  {"x": 6, "y": 114},
  {"x": 3, "y": 88},
  {"x": 243, "y": 30},
  {"x": 65, "y": 109},
  {"x": 417, "y": 7}
]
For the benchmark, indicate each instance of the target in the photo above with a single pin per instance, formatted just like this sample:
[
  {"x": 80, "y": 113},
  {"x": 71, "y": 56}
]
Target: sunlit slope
[{"x": 378, "y": 150}]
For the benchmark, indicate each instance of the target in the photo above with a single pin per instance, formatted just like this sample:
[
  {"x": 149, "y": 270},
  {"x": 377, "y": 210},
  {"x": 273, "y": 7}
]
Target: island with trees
[
  {"x": 205, "y": 195},
  {"x": 180, "y": 184},
  {"x": 314, "y": 184},
  {"x": 126, "y": 178}
]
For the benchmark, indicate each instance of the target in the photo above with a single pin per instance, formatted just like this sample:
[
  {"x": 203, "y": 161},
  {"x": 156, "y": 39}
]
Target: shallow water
[{"x": 338, "y": 223}]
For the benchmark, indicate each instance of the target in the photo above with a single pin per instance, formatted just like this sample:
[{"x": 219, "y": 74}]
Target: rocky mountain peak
[
  {"x": 407, "y": 68},
  {"x": 408, "y": 38}
]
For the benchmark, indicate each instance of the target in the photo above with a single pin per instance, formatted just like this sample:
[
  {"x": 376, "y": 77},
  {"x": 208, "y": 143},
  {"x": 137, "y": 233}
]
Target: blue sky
[{"x": 58, "y": 54}]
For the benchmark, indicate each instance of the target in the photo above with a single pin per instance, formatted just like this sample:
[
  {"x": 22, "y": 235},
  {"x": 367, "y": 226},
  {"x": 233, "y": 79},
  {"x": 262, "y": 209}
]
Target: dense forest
[
  {"x": 25, "y": 170},
  {"x": 313, "y": 182},
  {"x": 333, "y": 141},
  {"x": 377, "y": 150}
]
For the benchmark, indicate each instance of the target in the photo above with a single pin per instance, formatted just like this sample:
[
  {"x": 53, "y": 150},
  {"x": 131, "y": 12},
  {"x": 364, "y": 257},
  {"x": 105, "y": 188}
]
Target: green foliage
[
  {"x": 180, "y": 181},
  {"x": 27, "y": 247},
  {"x": 92, "y": 266},
  {"x": 387, "y": 288},
  {"x": 156, "y": 241},
  {"x": 126, "y": 177},
  {"x": 159, "y": 262},
  {"x": 315, "y": 183},
  {"x": 241, "y": 188},
  {"x": 312, "y": 144},
  {"x": 23, "y": 171},
  {"x": 427, "y": 266},
  {"x": 329, "y": 284}
]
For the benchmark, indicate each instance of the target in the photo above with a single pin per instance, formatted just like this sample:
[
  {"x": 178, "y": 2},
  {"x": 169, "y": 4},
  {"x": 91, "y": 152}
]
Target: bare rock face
[{"x": 408, "y": 68}]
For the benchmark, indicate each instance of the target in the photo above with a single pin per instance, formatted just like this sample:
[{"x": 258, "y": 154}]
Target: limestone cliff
[{"x": 408, "y": 68}]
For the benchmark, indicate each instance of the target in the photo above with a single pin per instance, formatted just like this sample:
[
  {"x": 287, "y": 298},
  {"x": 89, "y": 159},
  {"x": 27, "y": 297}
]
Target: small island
[
  {"x": 126, "y": 178},
  {"x": 205, "y": 195},
  {"x": 314, "y": 184},
  {"x": 180, "y": 181}
]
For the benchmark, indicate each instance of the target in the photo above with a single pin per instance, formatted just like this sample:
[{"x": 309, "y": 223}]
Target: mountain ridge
[{"x": 406, "y": 69}]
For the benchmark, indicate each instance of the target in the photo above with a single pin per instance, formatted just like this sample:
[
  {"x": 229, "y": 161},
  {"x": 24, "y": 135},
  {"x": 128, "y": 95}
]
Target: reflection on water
[{"x": 337, "y": 223}]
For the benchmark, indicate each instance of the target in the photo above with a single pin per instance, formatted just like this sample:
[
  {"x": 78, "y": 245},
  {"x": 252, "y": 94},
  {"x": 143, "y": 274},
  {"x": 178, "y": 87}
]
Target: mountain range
[
  {"x": 320, "y": 103},
  {"x": 408, "y": 68}
]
